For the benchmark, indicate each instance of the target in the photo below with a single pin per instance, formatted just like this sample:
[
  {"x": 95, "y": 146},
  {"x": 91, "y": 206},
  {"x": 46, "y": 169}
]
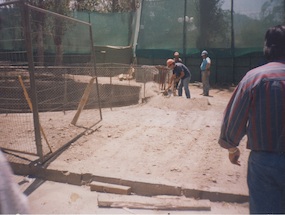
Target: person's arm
[
  {"x": 181, "y": 74},
  {"x": 234, "y": 123},
  {"x": 234, "y": 154},
  {"x": 208, "y": 65},
  {"x": 173, "y": 77}
]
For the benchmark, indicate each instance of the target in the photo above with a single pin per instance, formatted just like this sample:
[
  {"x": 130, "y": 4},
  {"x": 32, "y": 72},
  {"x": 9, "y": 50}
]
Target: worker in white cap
[{"x": 205, "y": 72}]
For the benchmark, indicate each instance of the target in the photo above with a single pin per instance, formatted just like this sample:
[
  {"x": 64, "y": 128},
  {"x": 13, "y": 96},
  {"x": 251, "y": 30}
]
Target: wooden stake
[
  {"x": 83, "y": 101},
  {"x": 31, "y": 108}
]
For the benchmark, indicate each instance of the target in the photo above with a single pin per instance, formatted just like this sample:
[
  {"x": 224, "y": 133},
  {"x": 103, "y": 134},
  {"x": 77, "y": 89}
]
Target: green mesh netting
[
  {"x": 188, "y": 26},
  {"x": 112, "y": 29},
  {"x": 232, "y": 31},
  {"x": 10, "y": 29}
]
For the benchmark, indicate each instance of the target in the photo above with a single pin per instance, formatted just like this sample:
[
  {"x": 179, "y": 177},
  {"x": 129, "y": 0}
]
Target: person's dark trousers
[{"x": 266, "y": 182}]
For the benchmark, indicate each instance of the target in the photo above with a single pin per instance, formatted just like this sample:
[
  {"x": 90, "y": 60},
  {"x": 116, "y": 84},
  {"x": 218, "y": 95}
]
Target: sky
[{"x": 248, "y": 7}]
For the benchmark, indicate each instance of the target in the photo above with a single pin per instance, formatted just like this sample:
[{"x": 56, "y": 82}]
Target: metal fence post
[
  {"x": 233, "y": 41},
  {"x": 94, "y": 68},
  {"x": 33, "y": 92},
  {"x": 111, "y": 86},
  {"x": 144, "y": 85}
]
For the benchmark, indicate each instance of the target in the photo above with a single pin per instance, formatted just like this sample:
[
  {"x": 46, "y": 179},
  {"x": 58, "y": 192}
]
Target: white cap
[
  {"x": 176, "y": 53},
  {"x": 204, "y": 53}
]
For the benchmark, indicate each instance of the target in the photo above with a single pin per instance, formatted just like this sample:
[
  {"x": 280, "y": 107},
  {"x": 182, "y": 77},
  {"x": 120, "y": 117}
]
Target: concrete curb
[{"x": 137, "y": 187}]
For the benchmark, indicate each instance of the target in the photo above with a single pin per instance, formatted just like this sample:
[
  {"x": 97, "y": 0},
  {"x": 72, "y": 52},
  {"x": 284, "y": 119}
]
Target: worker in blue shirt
[
  {"x": 205, "y": 72},
  {"x": 180, "y": 73}
]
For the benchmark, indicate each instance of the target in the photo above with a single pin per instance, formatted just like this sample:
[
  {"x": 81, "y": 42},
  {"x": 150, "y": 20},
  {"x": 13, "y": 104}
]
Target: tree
[
  {"x": 212, "y": 23},
  {"x": 40, "y": 31},
  {"x": 273, "y": 12},
  {"x": 43, "y": 24},
  {"x": 59, "y": 27},
  {"x": 106, "y": 6},
  {"x": 47, "y": 25}
]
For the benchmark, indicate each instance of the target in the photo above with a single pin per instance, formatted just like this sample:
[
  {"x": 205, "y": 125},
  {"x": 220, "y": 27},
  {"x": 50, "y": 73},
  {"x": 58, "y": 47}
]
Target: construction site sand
[{"x": 166, "y": 140}]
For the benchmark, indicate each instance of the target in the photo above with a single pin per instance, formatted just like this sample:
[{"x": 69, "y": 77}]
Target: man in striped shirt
[{"x": 257, "y": 109}]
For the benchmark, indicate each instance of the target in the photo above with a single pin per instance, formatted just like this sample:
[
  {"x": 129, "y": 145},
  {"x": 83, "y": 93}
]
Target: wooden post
[
  {"x": 83, "y": 101},
  {"x": 31, "y": 108}
]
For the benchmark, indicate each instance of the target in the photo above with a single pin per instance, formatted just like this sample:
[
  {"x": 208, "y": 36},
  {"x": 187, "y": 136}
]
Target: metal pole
[
  {"x": 232, "y": 40},
  {"x": 111, "y": 86},
  {"x": 184, "y": 32},
  {"x": 94, "y": 71},
  {"x": 55, "y": 14},
  {"x": 283, "y": 12},
  {"x": 33, "y": 94}
]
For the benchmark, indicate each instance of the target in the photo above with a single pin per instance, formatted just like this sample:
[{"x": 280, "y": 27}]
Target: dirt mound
[{"x": 179, "y": 103}]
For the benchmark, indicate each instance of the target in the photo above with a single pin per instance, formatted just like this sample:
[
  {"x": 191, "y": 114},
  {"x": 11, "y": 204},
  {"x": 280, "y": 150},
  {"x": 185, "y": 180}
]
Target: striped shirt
[
  {"x": 257, "y": 109},
  {"x": 12, "y": 200}
]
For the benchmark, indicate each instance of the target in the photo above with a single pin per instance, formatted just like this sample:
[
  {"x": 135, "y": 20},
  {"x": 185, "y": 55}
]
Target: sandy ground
[
  {"x": 58, "y": 198},
  {"x": 167, "y": 140}
]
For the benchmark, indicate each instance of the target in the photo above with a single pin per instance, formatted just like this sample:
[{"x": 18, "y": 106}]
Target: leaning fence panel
[
  {"x": 17, "y": 128},
  {"x": 67, "y": 90},
  {"x": 66, "y": 85}
]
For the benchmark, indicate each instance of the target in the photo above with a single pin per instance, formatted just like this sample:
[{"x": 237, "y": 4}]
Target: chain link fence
[
  {"x": 48, "y": 98},
  {"x": 123, "y": 84}
]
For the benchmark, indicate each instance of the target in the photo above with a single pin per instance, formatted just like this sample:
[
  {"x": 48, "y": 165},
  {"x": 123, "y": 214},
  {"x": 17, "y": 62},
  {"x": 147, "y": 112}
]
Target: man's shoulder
[
  {"x": 266, "y": 72},
  {"x": 179, "y": 65}
]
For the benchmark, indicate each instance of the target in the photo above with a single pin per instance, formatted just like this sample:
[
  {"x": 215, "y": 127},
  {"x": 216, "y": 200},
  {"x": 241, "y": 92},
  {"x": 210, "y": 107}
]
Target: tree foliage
[
  {"x": 272, "y": 12},
  {"x": 213, "y": 23},
  {"x": 104, "y": 6}
]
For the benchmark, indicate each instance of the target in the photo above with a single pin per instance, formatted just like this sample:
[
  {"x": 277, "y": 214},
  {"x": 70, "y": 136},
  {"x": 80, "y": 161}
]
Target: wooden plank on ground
[
  {"x": 109, "y": 188},
  {"x": 152, "y": 203}
]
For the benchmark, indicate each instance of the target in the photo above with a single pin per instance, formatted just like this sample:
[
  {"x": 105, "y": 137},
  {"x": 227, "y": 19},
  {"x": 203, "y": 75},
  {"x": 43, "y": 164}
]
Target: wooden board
[
  {"x": 109, "y": 188},
  {"x": 153, "y": 203}
]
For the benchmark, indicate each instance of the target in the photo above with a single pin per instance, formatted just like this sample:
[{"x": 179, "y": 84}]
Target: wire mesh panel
[
  {"x": 17, "y": 128},
  {"x": 118, "y": 85},
  {"x": 123, "y": 85},
  {"x": 46, "y": 88}
]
